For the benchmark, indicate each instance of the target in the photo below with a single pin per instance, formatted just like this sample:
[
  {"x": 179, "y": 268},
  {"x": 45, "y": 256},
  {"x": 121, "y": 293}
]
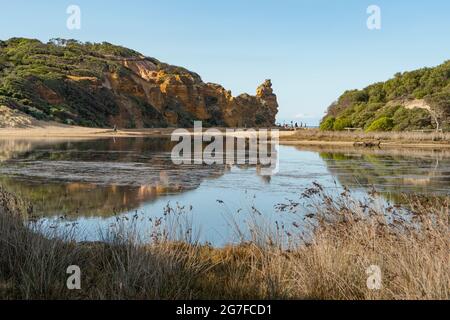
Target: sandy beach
[{"x": 53, "y": 130}]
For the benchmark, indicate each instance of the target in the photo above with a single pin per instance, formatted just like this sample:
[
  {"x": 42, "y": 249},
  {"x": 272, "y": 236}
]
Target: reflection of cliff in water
[
  {"x": 81, "y": 198},
  {"x": 97, "y": 177},
  {"x": 391, "y": 171}
]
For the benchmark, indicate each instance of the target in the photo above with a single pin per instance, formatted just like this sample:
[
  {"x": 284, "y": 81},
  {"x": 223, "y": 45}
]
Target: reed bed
[
  {"x": 401, "y": 136},
  {"x": 323, "y": 252}
]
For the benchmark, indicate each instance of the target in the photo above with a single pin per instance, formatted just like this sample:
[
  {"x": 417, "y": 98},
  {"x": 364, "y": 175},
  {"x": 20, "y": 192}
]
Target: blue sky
[{"x": 313, "y": 50}]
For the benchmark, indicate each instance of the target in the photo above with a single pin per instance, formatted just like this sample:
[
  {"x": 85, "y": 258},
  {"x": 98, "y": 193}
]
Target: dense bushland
[{"x": 386, "y": 106}]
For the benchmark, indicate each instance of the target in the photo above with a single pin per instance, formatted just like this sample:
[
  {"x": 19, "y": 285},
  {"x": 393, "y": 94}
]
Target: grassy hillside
[
  {"x": 418, "y": 99},
  {"x": 30, "y": 70},
  {"x": 101, "y": 85}
]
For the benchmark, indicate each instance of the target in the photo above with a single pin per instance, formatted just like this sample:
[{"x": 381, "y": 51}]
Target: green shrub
[
  {"x": 327, "y": 124},
  {"x": 382, "y": 124},
  {"x": 382, "y": 100},
  {"x": 387, "y": 111},
  {"x": 342, "y": 123}
]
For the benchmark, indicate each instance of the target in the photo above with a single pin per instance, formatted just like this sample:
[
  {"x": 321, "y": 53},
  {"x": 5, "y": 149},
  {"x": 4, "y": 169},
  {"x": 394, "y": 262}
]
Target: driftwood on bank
[{"x": 368, "y": 144}]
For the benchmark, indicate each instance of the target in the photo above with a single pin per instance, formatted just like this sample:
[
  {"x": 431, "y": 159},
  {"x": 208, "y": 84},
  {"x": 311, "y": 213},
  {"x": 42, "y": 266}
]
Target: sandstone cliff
[{"x": 106, "y": 85}]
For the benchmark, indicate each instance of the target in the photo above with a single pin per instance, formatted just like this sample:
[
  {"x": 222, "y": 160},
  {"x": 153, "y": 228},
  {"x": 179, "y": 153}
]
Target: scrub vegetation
[{"x": 413, "y": 100}]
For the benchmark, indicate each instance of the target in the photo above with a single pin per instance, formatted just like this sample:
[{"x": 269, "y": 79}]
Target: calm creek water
[{"x": 94, "y": 182}]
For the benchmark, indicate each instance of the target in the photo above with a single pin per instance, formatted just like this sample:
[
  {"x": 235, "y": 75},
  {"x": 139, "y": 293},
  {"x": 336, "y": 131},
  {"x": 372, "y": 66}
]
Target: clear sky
[{"x": 313, "y": 50}]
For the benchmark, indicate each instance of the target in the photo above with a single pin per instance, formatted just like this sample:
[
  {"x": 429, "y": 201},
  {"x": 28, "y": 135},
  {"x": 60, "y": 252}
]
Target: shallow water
[{"x": 92, "y": 183}]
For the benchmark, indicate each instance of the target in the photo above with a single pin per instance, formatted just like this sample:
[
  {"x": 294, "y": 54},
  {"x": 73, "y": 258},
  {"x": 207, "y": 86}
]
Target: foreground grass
[
  {"x": 322, "y": 256},
  {"x": 344, "y": 136}
]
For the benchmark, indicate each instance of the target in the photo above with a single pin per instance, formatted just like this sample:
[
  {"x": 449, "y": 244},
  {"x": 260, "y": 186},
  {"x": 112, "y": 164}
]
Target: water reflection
[
  {"x": 111, "y": 176},
  {"x": 391, "y": 171},
  {"x": 97, "y": 177},
  {"x": 91, "y": 181}
]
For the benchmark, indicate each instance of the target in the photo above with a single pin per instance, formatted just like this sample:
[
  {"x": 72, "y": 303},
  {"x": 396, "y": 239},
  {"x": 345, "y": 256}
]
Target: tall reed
[{"x": 321, "y": 250}]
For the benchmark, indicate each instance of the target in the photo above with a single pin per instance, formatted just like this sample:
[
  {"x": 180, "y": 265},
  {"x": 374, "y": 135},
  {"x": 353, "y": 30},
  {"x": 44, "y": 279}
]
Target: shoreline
[
  {"x": 387, "y": 144},
  {"x": 70, "y": 132},
  {"x": 292, "y": 138}
]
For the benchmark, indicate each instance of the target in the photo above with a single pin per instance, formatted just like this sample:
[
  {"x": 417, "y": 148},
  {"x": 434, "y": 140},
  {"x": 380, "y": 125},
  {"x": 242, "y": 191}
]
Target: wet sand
[
  {"x": 60, "y": 131},
  {"x": 55, "y": 130},
  {"x": 387, "y": 144}
]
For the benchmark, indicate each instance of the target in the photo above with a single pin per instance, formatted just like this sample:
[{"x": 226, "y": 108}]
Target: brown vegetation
[
  {"x": 323, "y": 254},
  {"x": 405, "y": 137}
]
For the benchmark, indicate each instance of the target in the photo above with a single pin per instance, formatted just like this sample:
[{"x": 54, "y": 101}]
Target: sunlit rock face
[
  {"x": 181, "y": 97},
  {"x": 103, "y": 85}
]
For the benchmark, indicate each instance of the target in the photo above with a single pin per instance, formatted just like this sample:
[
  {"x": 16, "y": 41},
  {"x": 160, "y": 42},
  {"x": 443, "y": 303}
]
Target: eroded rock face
[
  {"x": 269, "y": 99},
  {"x": 176, "y": 97},
  {"x": 103, "y": 85},
  {"x": 181, "y": 97}
]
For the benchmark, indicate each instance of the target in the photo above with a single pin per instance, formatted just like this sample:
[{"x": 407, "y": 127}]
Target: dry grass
[
  {"x": 322, "y": 256},
  {"x": 404, "y": 136}
]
